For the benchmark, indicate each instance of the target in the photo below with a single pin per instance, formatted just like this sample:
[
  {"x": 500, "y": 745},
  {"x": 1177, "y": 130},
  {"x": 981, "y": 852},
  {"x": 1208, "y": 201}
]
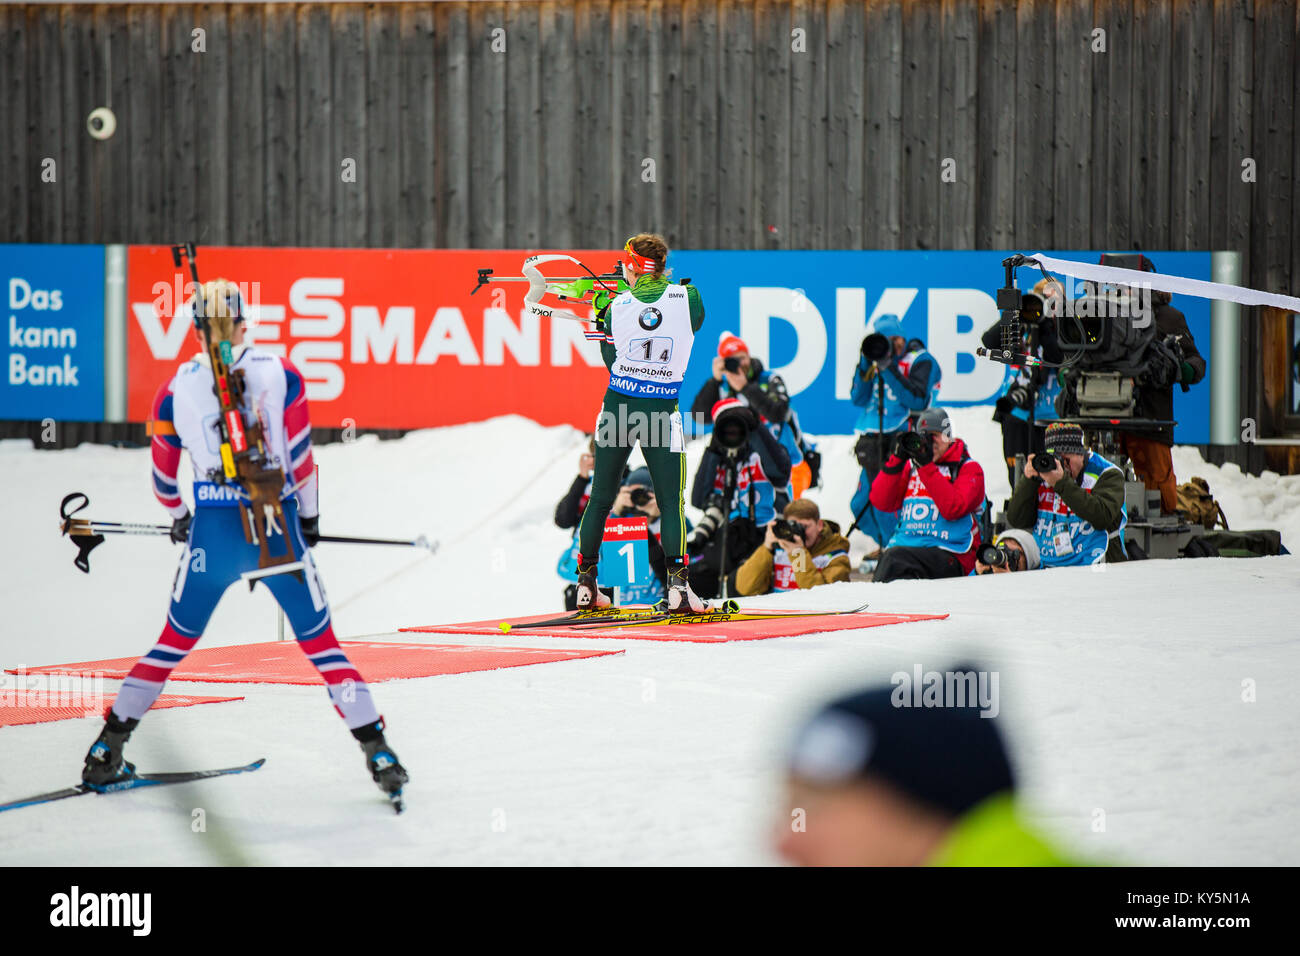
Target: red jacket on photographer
[{"x": 952, "y": 486}]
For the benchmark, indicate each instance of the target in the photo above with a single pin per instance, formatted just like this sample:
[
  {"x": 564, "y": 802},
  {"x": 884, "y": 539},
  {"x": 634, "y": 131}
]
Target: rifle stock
[{"x": 244, "y": 457}]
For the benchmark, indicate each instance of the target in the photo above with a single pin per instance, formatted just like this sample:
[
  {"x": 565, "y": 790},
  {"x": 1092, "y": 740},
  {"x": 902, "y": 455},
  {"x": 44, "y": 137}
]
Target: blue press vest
[
  {"x": 920, "y": 525},
  {"x": 749, "y": 473},
  {"x": 1087, "y": 544},
  {"x": 864, "y": 395}
]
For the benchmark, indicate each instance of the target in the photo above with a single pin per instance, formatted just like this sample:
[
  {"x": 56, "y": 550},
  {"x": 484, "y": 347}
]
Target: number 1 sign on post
[{"x": 624, "y": 553}]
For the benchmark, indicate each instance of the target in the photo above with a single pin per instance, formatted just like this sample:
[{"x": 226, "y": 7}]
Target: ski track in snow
[{"x": 1122, "y": 686}]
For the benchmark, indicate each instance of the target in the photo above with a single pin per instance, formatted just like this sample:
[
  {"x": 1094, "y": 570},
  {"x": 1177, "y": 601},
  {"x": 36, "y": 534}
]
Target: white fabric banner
[{"x": 1197, "y": 287}]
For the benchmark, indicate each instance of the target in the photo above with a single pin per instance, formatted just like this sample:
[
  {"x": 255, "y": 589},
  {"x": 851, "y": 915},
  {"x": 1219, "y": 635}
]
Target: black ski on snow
[
  {"x": 607, "y": 615},
  {"x": 720, "y": 616},
  {"x": 593, "y": 616},
  {"x": 131, "y": 783}
]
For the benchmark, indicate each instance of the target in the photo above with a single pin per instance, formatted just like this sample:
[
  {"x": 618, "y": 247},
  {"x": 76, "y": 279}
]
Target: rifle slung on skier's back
[{"x": 245, "y": 460}]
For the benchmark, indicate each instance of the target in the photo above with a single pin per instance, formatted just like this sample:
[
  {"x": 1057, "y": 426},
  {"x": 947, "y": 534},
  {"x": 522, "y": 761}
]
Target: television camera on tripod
[{"x": 1124, "y": 350}]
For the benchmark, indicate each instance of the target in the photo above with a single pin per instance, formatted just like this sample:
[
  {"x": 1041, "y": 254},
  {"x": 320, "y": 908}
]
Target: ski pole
[
  {"x": 88, "y": 534},
  {"x": 420, "y": 542},
  {"x": 79, "y": 526}
]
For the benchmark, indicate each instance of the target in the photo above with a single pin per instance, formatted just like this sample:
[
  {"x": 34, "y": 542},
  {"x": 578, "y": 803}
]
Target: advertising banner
[
  {"x": 393, "y": 338},
  {"x": 384, "y": 338},
  {"x": 804, "y": 314},
  {"x": 53, "y": 332}
]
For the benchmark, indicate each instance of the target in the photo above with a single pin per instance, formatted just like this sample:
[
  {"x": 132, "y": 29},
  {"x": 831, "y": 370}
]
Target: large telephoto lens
[
  {"x": 875, "y": 347},
  {"x": 731, "y": 430}
]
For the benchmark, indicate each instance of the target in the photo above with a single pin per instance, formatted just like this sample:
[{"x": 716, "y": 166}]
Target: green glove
[{"x": 1186, "y": 374}]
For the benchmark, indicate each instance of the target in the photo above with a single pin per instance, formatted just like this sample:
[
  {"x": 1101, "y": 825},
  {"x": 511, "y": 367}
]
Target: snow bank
[{"x": 1123, "y": 686}]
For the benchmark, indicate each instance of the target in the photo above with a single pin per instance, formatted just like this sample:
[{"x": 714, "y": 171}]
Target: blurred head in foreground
[{"x": 909, "y": 773}]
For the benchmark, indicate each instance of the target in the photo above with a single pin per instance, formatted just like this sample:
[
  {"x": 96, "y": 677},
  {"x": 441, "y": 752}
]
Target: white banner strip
[{"x": 1196, "y": 287}]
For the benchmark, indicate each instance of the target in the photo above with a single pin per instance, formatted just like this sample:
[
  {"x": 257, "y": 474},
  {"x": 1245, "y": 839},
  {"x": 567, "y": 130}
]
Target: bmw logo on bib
[{"x": 650, "y": 318}]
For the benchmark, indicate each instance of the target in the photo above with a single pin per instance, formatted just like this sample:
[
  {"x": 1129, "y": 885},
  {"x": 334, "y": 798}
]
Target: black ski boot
[
  {"x": 104, "y": 761},
  {"x": 681, "y": 599},
  {"x": 589, "y": 596},
  {"x": 382, "y": 762}
]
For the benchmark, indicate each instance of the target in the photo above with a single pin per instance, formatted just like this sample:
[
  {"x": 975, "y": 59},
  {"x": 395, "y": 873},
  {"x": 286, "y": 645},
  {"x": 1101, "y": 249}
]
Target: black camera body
[
  {"x": 734, "y": 363},
  {"x": 640, "y": 497},
  {"x": 999, "y": 556},
  {"x": 911, "y": 443},
  {"x": 1043, "y": 462},
  {"x": 787, "y": 530},
  {"x": 916, "y": 446}
]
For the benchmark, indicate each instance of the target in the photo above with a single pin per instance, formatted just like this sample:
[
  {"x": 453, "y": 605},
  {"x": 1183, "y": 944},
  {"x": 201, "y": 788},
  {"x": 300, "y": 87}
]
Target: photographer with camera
[
  {"x": 1013, "y": 550},
  {"x": 737, "y": 374},
  {"x": 1074, "y": 502},
  {"x": 799, "y": 551},
  {"x": 1030, "y": 389},
  {"x": 894, "y": 378},
  {"x": 1152, "y": 451},
  {"x": 736, "y": 485},
  {"x": 937, "y": 491}
]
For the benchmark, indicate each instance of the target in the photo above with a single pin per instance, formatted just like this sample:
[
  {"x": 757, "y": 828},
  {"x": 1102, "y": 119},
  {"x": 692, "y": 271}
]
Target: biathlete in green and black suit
[{"x": 649, "y": 331}]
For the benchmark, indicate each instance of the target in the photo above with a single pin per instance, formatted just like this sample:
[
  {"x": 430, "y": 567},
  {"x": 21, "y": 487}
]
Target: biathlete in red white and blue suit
[{"x": 185, "y": 415}]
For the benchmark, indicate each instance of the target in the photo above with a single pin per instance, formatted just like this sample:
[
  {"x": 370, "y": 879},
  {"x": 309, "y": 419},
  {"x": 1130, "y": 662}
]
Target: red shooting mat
[
  {"x": 43, "y": 706},
  {"x": 281, "y": 662},
  {"x": 719, "y": 633}
]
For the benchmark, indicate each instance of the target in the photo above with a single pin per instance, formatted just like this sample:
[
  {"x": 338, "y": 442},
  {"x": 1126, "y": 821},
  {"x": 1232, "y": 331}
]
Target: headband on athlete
[{"x": 639, "y": 262}]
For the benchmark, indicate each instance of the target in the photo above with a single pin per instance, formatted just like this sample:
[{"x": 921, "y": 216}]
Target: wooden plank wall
[
  {"x": 745, "y": 124},
  {"x": 770, "y": 124}
]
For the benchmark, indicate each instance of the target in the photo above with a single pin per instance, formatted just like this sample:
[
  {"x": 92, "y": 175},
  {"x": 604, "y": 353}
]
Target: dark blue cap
[
  {"x": 948, "y": 755},
  {"x": 640, "y": 476}
]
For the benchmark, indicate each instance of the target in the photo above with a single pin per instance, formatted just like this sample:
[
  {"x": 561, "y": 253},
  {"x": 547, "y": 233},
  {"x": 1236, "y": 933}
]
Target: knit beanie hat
[
  {"x": 729, "y": 343},
  {"x": 1027, "y": 544},
  {"x": 725, "y": 404},
  {"x": 639, "y": 476},
  {"x": 888, "y": 326},
  {"x": 1064, "y": 438}
]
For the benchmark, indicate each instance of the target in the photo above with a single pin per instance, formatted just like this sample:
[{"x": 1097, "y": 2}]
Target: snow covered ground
[{"x": 1124, "y": 686}]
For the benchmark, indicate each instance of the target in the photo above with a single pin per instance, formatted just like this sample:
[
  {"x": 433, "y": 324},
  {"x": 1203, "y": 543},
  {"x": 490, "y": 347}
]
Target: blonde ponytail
[{"x": 223, "y": 307}]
